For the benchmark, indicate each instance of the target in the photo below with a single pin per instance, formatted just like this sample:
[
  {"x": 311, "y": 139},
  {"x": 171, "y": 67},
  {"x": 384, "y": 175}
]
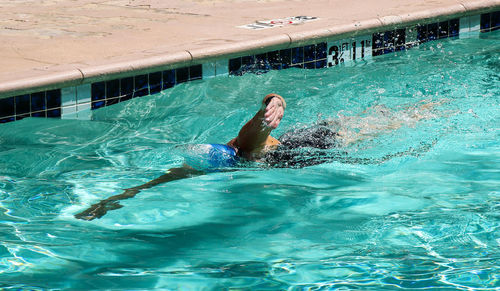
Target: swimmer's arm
[
  {"x": 254, "y": 136},
  {"x": 102, "y": 207}
]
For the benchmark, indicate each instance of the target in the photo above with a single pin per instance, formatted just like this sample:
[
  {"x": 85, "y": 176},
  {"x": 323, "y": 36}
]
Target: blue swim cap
[
  {"x": 221, "y": 155},
  {"x": 209, "y": 157}
]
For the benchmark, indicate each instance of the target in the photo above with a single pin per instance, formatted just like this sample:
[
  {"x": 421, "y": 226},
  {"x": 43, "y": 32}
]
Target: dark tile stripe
[{"x": 313, "y": 56}]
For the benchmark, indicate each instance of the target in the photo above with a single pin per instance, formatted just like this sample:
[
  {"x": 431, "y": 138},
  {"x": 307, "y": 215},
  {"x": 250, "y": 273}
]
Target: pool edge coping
[{"x": 76, "y": 75}]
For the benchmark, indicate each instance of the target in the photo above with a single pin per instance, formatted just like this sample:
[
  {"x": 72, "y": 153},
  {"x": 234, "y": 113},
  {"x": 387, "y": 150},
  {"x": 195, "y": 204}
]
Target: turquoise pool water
[{"x": 426, "y": 217}]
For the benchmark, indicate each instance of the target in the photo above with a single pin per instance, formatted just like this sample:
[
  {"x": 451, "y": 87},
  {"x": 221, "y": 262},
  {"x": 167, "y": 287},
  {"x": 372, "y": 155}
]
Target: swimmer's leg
[
  {"x": 102, "y": 207},
  {"x": 381, "y": 120}
]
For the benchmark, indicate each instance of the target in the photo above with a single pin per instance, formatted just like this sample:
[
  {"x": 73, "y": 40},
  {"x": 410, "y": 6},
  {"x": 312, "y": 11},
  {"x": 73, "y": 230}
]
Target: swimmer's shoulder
[{"x": 270, "y": 144}]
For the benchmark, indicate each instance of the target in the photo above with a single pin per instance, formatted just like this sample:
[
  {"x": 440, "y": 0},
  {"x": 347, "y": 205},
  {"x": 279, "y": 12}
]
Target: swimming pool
[{"x": 424, "y": 219}]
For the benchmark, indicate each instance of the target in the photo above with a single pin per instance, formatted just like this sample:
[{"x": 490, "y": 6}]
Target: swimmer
[
  {"x": 255, "y": 143},
  {"x": 252, "y": 142}
]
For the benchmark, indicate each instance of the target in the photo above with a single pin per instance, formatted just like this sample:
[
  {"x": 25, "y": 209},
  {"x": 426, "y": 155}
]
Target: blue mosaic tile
[
  {"x": 297, "y": 55},
  {"x": 378, "y": 44},
  {"x": 321, "y": 50},
  {"x": 273, "y": 57},
  {"x": 55, "y": 112},
  {"x": 53, "y": 99},
  {"x": 260, "y": 58},
  {"x": 98, "y": 91},
  {"x": 250, "y": 64},
  {"x": 377, "y": 41},
  {"x": 39, "y": 114},
  {"x": 443, "y": 29},
  {"x": 112, "y": 89},
  {"x": 310, "y": 65},
  {"x": 247, "y": 60},
  {"x": 274, "y": 60},
  {"x": 181, "y": 75},
  {"x": 495, "y": 20},
  {"x": 155, "y": 82},
  {"x": 9, "y": 119},
  {"x": 126, "y": 88},
  {"x": 98, "y": 104},
  {"x": 432, "y": 31},
  {"x": 286, "y": 58},
  {"x": 377, "y": 52},
  {"x": 126, "y": 97},
  {"x": 112, "y": 101},
  {"x": 7, "y": 107},
  {"x": 234, "y": 66},
  {"x": 400, "y": 48},
  {"x": 321, "y": 64},
  {"x": 38, "y": 101},
  {"x": 168, "y": 79},
  {"x": 454, "y": 27},
  {"x": 400, "y": 37},
  {"x": 262, "y": 67},
  {"x": 485, "y": 22},
  {"x": 38, "y": 104},
  {"x": 422, "y": 33},
  {"x": 141, "y": 86},
  {"x": 195, "y": 72},
  {"x": 278, "y": 66},
  {"x": 389, "y": 39},
  {"x": 309, "y": 53},
  {"x": 389, "y": 50},
  {"x": 23, "y": 105},
  {"x": 411, "y": 45},
  {"x": 22, "y": 116}
]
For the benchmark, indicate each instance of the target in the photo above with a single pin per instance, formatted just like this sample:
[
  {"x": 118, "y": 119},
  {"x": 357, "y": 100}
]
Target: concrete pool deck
[{"x": 53, "y": 43}]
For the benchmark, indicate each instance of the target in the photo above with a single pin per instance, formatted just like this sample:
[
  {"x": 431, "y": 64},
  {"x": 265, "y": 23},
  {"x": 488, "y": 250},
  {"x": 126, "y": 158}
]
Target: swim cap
[
  {"x": 210, "y": 156},
  {"x": 221, "y": 155}
]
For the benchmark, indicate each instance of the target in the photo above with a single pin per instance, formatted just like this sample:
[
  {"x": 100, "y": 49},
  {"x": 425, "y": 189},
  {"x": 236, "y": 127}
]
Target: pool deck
[{"x": 48, "y": 43}]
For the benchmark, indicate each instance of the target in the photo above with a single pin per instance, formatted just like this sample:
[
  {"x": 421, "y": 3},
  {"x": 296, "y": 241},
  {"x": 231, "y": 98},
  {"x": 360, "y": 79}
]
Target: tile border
[{"x": 70, "y": 99}]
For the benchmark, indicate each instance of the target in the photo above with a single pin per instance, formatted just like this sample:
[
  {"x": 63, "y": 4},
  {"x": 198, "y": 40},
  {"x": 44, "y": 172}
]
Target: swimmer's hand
[
  {"x": 274, "y": 110},
  {"x": 98, "y": 210}
]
